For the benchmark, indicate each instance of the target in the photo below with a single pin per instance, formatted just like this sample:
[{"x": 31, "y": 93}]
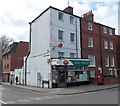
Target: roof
[
  {"x": 66, "y": 13},
  {"x": 11, "y": 48}
]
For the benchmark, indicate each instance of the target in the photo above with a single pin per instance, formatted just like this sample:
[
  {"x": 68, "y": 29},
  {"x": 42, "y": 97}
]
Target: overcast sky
[{"x": 15, "y": 15}]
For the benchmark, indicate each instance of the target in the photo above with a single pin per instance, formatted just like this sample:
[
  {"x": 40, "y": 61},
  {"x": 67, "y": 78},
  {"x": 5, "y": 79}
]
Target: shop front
[{"x": 69, "y": 72}]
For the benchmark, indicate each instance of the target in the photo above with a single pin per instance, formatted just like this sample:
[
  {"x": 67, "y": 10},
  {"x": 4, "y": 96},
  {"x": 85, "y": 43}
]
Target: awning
[{"x": 78, "y": 62}]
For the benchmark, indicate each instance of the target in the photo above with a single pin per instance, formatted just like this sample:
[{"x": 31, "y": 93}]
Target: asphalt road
[{"x": 13, "y": 95}]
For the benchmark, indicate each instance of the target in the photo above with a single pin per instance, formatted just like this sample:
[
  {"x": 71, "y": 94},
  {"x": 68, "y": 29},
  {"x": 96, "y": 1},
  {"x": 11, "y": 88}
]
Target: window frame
[
  {"x": 111, "y": 45},
  {"x": 72, "y": 40},
  {"x": 93, "y": 59},
  {"x": 105, "y": 44},
  {"x": 110, "y": 31},
  {"x": 60, "y": 16},
  {"x": 72, "y": 21},
  {"x": 107, "y": 64},
  {"x": 71, "y": 55},
  {"x": 105, "y": 30},
  {"x": 90, "y": 42},
  {"x": 60, "y": 36},
  {"x": 112, "y": 62},
  {"x": 60, "y": 54},
  {"x": 90, "y": 26}
]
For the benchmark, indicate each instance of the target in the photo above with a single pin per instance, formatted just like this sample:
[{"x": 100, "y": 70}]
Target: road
[{"x": 13, "y": 95}]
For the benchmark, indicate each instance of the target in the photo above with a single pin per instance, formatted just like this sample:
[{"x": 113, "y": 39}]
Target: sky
[{"x": 15, "y": 15}]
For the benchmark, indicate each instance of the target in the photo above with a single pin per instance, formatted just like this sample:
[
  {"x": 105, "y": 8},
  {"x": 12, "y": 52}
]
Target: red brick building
[
  {"x": 13, "y": 58},
  {"x": 118, "y": 51},
  {"x": 99, "y": 45}
]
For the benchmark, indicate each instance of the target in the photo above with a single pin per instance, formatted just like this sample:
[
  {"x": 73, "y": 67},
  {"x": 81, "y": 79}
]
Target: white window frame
[
  {"x": 92, "y": 74},
  {"x": 61, "y": 18},
  {"x": 110, "y": 31},
  {"x": 92, "y": 60},
  {"x": 106, "y": 61},
  {"x": 72, "y": 55},
  {"x": 105, "y": 45},
  {"x": 72, "y": 37},
  {"x": 112, "y": 62},
  {"x": 60, "y": 35},
  {"x": 60, "y": 54},
  {"x": 105, "y": 30},
  {"x": 90, "y": 42},
  {"x": 72, "y": 20},
  {"x": 89, "y": 26},
  {"x": 111, "y": 45},
  {"x": 110, "y": 72}
]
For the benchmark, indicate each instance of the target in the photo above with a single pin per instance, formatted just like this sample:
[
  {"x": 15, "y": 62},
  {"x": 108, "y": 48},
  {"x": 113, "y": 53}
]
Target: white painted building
[{"x": 53, "y": 34}]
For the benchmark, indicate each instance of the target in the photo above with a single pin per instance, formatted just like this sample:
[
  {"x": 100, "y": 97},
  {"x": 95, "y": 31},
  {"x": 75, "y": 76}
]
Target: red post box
[{"x": 100, "y": 79}]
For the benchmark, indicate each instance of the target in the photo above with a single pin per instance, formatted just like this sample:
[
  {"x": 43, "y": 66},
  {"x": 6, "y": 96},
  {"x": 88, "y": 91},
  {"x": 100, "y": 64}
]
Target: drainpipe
[
  {"x": 100, "y": 47},
  {"x": 76, "y": 41},
  {"x": 81, "y": 37}
]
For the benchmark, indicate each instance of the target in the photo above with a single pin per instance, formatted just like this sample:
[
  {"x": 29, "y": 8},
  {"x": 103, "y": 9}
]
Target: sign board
[{"x": 80, "y": 62}]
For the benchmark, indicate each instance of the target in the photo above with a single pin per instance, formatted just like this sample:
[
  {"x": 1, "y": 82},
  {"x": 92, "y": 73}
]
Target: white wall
[
  {"x": 40, "y": 38},
  {"x": 68, "y": 47}
]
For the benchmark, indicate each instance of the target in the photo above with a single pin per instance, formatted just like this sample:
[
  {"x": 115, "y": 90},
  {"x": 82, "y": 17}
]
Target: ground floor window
[
  {"x": 92, "y": 74},
  {"x": 110, "y": 72}
]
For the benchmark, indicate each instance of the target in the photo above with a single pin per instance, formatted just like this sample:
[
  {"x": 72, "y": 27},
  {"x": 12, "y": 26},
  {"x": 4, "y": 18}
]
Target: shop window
[
  {"x": 89, "y": 26},
  {"x": 60, "y": 35},
  {"x": 60, "y": 16},
  {"x": 92, "y": 60},
  {"x": 107, "y": 61},
  {"x": 72, "y": 37},
  {"x": 90, "y": 42},
  {"x": 92, "y": 74}
]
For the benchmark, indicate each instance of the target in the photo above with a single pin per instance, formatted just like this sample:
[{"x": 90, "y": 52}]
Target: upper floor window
[
  {"x": 90, "y": 42},
  {"x": 7, "y": 65},
  {"x": 72, "y": 37},
  {"x": 71, "y": 20},
  {"x": 110, "y": 31},
  {"x": 89, "y": 26},
  {"x": 60, "y": 54},
  {"x": 112, "y": 62},
  {"x": 72, "y": 55},
  {"x": 105, "y": 44},
  {"x": 107, "y": 61},
  {"x": 111, "y": 45},
  {"x": 60, "y": 15},
  {"x": 92, "y": 60},
  {"x": 105, "y": 30},
  {"x": 60, "y": 35}
]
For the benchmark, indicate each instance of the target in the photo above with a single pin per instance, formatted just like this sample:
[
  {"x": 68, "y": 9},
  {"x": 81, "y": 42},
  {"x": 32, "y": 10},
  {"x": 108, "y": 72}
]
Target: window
[
  {"x": 60, "y": 54},
  {"x": 92, "y": 60},
  {"x": 110, "y": 72},
  {"x": 105, "y": 44},
  {"x": 72, "y": 55},
  {"x": 89, "y": 26},
  {"x": 105, "y": 30},
  {"x": 71, "y": 20},
  {"x": 110, "y": 31},
  {"x": 60, "y": 35},
  {"x": 92, "y": 74},
  {"x": 7, "y": 65},
  {"x": 115, "y": 72},
  {"x": 90, "y": 42},
  {"x": 107, "y": 61},
  {"x": 111, "y": 45},
  {"x": 112, "y": 62},
  {"x": 60, "y": 15},
  {"x": 72, "y": 37}
]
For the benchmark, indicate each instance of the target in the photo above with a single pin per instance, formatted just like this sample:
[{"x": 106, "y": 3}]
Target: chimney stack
[
  {"x": 89, "y": 16},
  {"x": 69, "y": 10}
]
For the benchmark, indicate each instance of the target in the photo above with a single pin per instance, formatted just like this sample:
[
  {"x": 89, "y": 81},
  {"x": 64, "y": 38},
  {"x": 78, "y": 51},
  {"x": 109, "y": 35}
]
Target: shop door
[{"x": 61, "y": 78}]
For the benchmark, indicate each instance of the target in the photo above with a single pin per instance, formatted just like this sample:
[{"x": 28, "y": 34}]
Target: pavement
[{"x": 66, "y": 91}]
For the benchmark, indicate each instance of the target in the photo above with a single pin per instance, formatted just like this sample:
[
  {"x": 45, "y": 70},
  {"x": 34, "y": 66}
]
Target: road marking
[
  {"x": 3, "y": 102},
  {"x": 10, "y": 102},
  {"x": 36, "y": 98},
  {"x": 24, "y": 100}
]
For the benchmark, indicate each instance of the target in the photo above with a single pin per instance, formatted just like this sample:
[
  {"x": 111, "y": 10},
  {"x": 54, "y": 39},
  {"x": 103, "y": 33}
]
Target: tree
[{"x": 5, "y": 41}]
